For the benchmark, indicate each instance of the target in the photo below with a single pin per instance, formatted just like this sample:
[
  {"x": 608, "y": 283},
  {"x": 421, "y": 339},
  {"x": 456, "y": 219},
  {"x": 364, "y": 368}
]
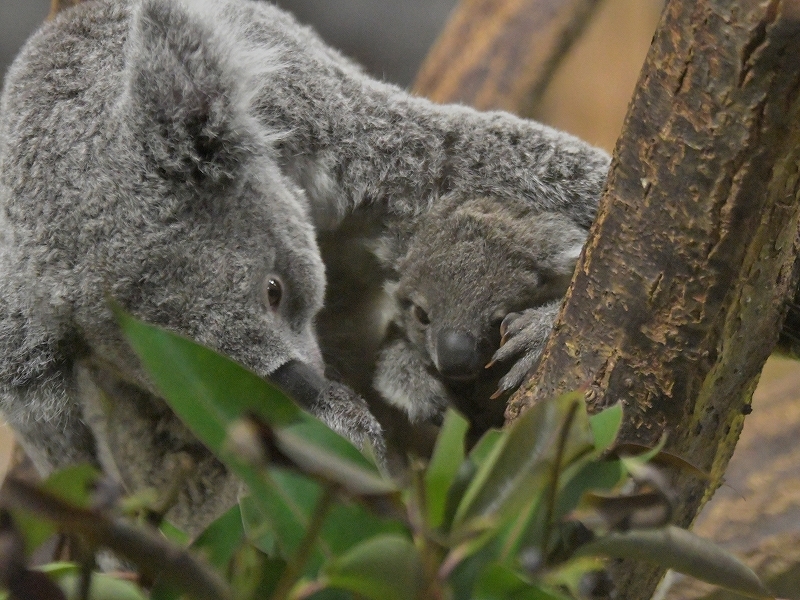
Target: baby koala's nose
[{"x": 457, "y": 355}]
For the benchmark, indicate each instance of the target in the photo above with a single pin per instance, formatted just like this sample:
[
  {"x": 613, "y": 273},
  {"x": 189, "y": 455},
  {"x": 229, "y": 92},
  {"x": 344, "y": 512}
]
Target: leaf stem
[
  {"x": 294, "y": 568},
  {"x": 552, "y": 491}
]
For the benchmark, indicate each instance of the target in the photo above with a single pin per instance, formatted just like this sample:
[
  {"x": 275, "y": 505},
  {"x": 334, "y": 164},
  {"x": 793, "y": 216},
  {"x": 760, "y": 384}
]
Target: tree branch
[
  {"x": 56, "y": 6},
  {"x": 678, "y": 300},
  {"x": 501, "y": 54}
]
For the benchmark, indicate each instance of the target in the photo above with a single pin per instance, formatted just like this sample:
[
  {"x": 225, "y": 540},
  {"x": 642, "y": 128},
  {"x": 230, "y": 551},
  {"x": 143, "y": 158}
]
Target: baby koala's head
[{"x": 468, "y": 267}]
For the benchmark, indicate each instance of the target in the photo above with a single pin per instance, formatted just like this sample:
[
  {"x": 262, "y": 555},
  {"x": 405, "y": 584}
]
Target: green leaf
[
  {"x": 521, "y": 461},
  {"x": 605, "y": 426},
  {"x": 587, "y": 474},
  {"x": 73, "y": 484},
  {"x": 221, "y": 538},
  {"x": 675, "y": 548},
  {"x": 174, "y": 534},
  {"x": 257, "y": 528},
  {"x": 486, "y": 445},
  {"x": 210, "y": 393},
  {"x": 667, "y": 459},
  {"x": 634, "y": 461},
  {"x": 382, "y": 568},
  {"x": 102, "y": 587},
  {"x": 318, "y": 450},
  {"x": 252, "y": 574},
  {"x": 455, "y": 493},
  {"x": 340, "y": 534},
  {"x": 448, "y": 454},
  {"x": 498, "y": 582},
  {"x": 592, "y": 475},
  {"x": 288, "y": 512},
  {"x": 288, "y": 507}
]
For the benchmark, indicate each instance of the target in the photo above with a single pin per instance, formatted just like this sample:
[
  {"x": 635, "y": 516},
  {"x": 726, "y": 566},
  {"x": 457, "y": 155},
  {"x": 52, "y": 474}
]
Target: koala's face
[
  {"x": 214, "y": 241},
  {"x": 469, "y": 268},
  {"x": 238, "y": 271}
]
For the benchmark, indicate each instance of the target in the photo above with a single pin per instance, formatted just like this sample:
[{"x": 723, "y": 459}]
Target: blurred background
[{"x": 588, "y": 97}]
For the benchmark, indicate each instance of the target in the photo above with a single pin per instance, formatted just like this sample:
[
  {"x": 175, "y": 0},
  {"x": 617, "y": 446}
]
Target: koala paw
[
  {"x": 405, "y": 382},
  {"x": 523, "y": 339},
  {"x": 344, "y": 411}
]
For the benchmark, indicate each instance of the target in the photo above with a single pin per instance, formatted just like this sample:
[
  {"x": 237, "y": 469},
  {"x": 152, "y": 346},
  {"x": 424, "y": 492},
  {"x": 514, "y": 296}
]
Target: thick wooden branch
[
  {"x": 678, "y": 299},
  {"x": 56, "y": 6},
  {"x": 501, "y": 54},
  {"x": 757, "y": 512}
]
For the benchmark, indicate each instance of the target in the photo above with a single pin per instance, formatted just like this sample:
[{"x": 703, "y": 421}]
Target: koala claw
[
  {"x": 523, "y": 337},
  {"x": 347, "y": 413}
]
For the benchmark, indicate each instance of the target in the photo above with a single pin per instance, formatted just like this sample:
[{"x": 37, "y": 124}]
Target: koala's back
[
  {"x": 55, "y": 124},
  {"x": 57, "y": 117}
]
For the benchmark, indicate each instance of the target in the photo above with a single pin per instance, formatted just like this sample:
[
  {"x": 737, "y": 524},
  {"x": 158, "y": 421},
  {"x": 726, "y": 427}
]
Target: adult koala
[{"x": 184, "y": 157}]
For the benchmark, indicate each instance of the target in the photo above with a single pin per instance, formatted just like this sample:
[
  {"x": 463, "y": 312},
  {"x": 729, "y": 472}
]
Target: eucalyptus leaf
[
  {"x": 313, "y": 448},
  {"x": 211, "y": 393},
  {"x": 448, "y": 455},
  {"x": 605, "y": 426},
  {"x": 522, "y": 459},
  {"x": 663, "y": 458},
  {"x": 219, "y": 541},
  {"x": 289, "y": 505},
  {"x": 486, "y": 444},
  {"x": 382, "y": 568},
  {"x": 587, "y": 474},
  {"x": 74, "y": 484},
  {"x": 350, "y": 524},
  {"x": 102, "y": 587},
  {"x": 498, "y": 582},
  {"x": 455, "y": 493},
  {"x": 257, "y": 528},
  {"x": 192, "y": 376},
  {"x": 675, "y": 548}
]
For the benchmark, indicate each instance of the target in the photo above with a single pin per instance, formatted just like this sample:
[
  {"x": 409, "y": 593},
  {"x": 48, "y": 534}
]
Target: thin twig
[
  {"x": 156, "y": 557},
  {"x": 297, "y": 563},
  {"x": 552, "y": 489}
]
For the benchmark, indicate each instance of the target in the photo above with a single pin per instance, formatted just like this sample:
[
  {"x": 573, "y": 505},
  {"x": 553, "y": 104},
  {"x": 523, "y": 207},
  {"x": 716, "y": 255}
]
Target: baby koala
[{"x": 479, "y": 290}]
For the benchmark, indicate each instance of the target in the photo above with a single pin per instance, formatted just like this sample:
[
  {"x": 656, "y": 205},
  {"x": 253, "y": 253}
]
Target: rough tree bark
[
  {"x": 678, "y": 299},
  {"x": 501, "y": 54},
  {"x": 56, "y": 6},
  {"x": 756, "y": 514}
]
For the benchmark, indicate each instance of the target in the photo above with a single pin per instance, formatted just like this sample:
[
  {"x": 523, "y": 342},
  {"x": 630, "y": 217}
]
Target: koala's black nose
[{"x": 457, "y": 354}]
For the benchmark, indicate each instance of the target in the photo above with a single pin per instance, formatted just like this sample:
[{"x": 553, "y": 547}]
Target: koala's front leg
[
  {"x": 524, "y": 337},
  {"x": 403, "y": 380},
  {"x": 339, "y": 407}
]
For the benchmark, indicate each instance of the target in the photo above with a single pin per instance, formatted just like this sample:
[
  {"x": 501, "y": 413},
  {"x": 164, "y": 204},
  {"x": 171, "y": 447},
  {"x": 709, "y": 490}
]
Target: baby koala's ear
[{"x": 183, "y": 97}]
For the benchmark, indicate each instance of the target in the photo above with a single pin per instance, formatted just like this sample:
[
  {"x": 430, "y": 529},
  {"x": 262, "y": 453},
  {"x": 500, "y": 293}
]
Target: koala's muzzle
[
  {"x": 301, "y": 381},
  {"x": 457, "y": 355}
]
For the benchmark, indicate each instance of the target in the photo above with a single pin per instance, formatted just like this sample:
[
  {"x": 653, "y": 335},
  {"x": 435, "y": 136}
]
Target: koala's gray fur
[
  {"x": 180, "y": 155},
  {"x": 473, "y": 269}
]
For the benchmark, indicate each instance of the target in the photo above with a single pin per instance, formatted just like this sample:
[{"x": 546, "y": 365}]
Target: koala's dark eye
[
  {"x": 273, "y": 292},
  {"x": 420, "y": 315}
]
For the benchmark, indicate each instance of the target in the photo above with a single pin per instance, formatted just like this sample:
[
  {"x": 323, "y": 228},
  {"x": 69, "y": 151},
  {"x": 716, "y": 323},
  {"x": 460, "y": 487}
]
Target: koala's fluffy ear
[{"x": 187, "y": 106}]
